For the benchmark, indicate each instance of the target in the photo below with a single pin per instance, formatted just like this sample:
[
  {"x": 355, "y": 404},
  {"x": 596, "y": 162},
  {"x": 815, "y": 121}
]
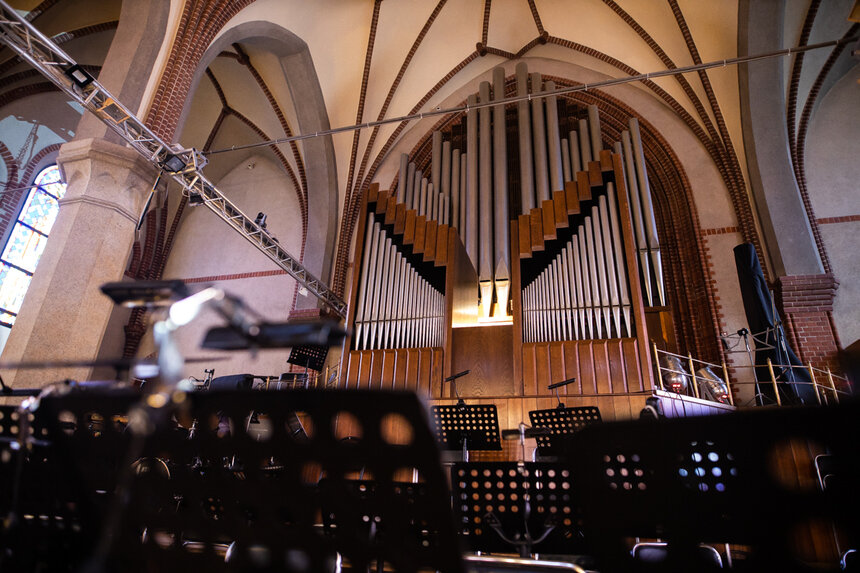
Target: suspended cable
[{"x": 556, "y": 92}]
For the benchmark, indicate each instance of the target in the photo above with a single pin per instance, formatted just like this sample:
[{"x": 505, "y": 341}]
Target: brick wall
[{"x": 806, "y": 304}]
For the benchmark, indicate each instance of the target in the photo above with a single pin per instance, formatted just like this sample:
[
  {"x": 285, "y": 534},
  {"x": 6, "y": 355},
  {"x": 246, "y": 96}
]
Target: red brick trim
[
  {"x": 844, "y": 219},
  {"x": 720, "y": 231},
  {"x": 234, "y": 276},
  {"x": 806, "y": 302}
]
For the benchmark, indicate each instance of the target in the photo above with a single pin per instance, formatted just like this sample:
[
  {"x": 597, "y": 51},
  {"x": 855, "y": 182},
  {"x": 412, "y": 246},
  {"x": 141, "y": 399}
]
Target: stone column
[{"x": 65, "y": 316}]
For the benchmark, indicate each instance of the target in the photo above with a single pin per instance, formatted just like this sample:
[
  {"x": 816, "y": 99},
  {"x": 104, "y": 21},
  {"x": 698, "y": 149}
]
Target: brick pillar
[{"x": 806, "y": 304}]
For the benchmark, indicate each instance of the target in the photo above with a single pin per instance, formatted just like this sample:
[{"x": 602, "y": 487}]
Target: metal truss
[{"x": 184, "y": 165}]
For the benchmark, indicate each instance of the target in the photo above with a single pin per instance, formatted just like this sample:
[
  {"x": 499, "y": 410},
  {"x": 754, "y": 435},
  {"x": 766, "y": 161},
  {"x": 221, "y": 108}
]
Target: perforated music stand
[
  {"x": 464, "y": 427},
  {"x": 521, "y": 507},
  {"x": 561, "y": 422},
  {"x": 226, "y": 489}
]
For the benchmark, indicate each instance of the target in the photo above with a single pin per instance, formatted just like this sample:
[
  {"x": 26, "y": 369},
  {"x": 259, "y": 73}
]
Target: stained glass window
[{"x": 27, "y": 241}]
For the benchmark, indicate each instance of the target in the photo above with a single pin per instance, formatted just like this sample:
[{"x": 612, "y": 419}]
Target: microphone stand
[{"x": 461, "y": 404}]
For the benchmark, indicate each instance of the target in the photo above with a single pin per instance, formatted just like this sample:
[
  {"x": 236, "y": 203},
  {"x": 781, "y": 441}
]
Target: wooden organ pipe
[
  {"x": 556, "y": 176},
  {"x": 647, "y": 209},
  {"x": 485, "y": 205},
  {"x": 500, "y": 209},
  {"x": 527, "y": 190},
  {"x": 539, "y": 143}
]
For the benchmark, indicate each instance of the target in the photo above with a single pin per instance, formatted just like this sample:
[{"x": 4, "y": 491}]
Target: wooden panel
[
  {"x": 586, "y": 367},
  {"x": 364, "y": 369},
  {"x": 617, "y": 372},
  {"x": 412, "y": 364},
  {"x": 382, "y": 202},
  {"x": 571, "y": 367},
  {"x": 400, "y": 219},
  {"x": 525, "y": 248},
  {"x": 373, "y": 193},
  {"x": 389, "y": 357},
  {"x": 632, "y": 365},
  {"x": 595, "y": 177},
  {"x": 400, "y": 369},
  {"x": 548, "y": 220},
  {"x": 353, "y": 367},
  {"x": 420, "y": 233},
  {"x": 436, "y": 373},
  {"x": 556, "y": 366},
  {"x": 430, "y": 241},
  {"x": 391, "y": 211},
  {"x": 571, "y": 197},
  {"x": 529, "y": 384},
  {"x": 536, "y": 226},
  {"x": 375, "y": 369},
  {"x": 409, "y": 227},
  {"x": 442, "y": 246},
  {"x": 517, "y": 314},
  {"x": 560, "y": 209},
  {"x": 605, "y": 160},
  {"x": 486, "y": 352},
  {"x": 542, "y": 368},
  {"x": 601, "y": 367},
  {"x": 425, "y": 370},
  {"x": 583, "y": 187}
]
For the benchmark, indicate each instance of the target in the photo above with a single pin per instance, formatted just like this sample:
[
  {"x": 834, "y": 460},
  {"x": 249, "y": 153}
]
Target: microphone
[
  {"x": 555, "y": 385},
  {"x": 455, "y": 376}
]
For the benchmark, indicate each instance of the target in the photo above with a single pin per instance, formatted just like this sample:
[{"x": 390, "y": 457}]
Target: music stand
[
  {"x": 226, "y": 490},
  {"x": 464, "y": 427},
  {"x": 561, "y": 422},
  {"x": 522, "y": 507}
]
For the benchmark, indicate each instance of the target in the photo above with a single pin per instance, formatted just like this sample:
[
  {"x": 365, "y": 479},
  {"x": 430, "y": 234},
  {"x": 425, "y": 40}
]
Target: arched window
[{"x": 27, "y": 241}]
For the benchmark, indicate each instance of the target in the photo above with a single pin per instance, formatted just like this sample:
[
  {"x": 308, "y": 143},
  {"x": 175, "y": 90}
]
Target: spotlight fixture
[
  {"x": 173, "y": 163},
  {"x": 261, "y": 220},
  {"x": 195, "y": 199},
  {"x": 80, "y": 76}
]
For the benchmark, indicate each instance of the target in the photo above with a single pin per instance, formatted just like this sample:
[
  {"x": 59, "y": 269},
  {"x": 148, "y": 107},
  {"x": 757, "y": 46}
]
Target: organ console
[{"x": 528, "y": 255}]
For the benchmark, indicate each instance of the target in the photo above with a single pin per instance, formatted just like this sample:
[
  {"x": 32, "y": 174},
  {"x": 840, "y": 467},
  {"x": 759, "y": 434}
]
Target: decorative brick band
[
  {"x": 720, "y": 231},
  {"x": 845, "y": 219},
  {"x": 235, "y": 276},
  {"x": 807, "y": 293}
]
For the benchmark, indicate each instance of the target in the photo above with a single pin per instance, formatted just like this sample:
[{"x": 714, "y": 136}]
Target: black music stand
[
  {"x": 225, "y": 488},
  {"x": 561, "y": 422},
  {"x": 521, "y": 507},
  {"x": 464, "y": 427},
  {"x": 715, "y": 479}
]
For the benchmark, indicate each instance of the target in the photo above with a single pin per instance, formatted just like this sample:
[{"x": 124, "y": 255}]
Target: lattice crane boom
[{"x": 52, "y": 62}]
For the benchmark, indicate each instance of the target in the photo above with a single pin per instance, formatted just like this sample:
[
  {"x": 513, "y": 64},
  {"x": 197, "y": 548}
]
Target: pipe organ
[{"x": 523, "y": 247}]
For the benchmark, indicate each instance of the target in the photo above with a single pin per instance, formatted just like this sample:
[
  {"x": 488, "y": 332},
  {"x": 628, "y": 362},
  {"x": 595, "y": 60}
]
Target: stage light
[
  {"x": 173, "y": 163},
  {"x": 80, "y": 76}
]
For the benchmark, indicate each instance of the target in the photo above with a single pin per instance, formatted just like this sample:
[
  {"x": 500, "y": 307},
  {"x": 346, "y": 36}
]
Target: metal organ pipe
[
  {"x": 410, "y": 185},
  {"x": 527, "y": 191},
  {"x": 539, "y": 139},
  {"x": 556, "y": 177},
  {"x": 464, "y": 163},
  {"x": 636, "y": 207},
  {"x": 575, "y": 156},
  {"x": 565, "y": 160},
  {"x": 436, "y": 161},
  {"x": 402, "y": 180},
  {"x": 485, "y": 207},
  {"x": 500, "y": 209},
  {"x": 455, "y": 191},
  {"x": 594, "y": 131},
  {"x": 472, "y": 181},
  {"x": 445, "y": 187},
  {"x": 584, "y": 144},
  {"x": 647, "y": 208}
]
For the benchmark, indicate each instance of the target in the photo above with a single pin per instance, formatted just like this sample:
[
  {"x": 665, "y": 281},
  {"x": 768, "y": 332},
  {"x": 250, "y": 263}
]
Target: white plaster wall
[
  {"x": 206, "y": 247},
  {"x": 833, "y": 173}
]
